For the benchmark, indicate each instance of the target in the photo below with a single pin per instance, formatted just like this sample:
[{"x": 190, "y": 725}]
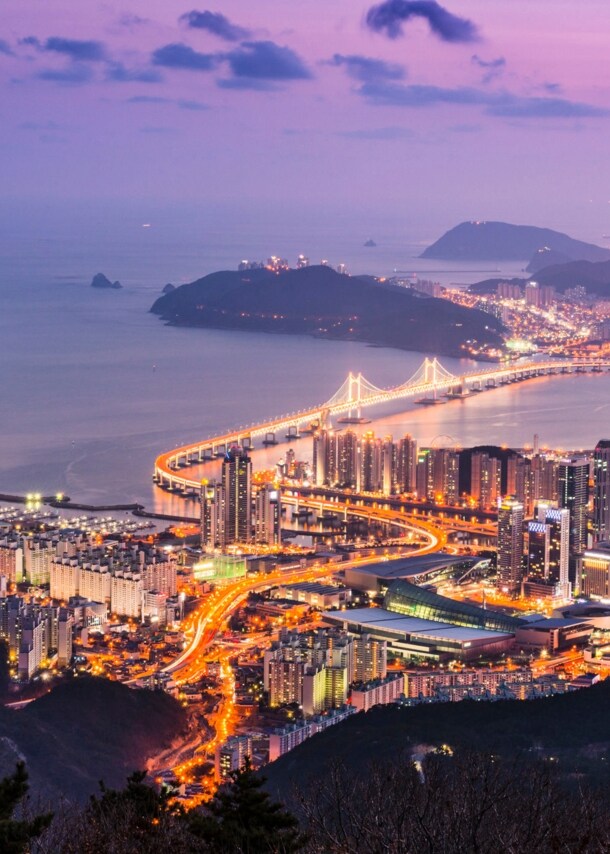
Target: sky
[{"x": 406, "y": 113}]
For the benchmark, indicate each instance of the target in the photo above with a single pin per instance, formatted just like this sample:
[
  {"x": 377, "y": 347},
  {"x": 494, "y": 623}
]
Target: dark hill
[
  {"x": 496, "y": 241},
  {"x": 84, "y": 731},
  {"x": 594, "y": 277},
  {"x": 318, "y": 301},
  {"x": 574, "y": 727},
  {"x": 545, "y": 258}
]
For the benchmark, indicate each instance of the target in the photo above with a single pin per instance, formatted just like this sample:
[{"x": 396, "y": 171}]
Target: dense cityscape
[{"x": 305, "y": 470}]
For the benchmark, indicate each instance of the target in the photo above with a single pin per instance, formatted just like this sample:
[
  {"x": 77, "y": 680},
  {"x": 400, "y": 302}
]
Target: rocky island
[
  {"x": 318, "y": 301},
  {"x": 102, "y": 281}
]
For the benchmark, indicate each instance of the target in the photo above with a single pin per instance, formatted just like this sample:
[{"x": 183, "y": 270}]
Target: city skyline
[{"x": 425, "y": 116}]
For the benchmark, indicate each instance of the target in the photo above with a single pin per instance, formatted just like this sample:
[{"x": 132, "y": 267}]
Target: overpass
[{"x": 430, "y": 384}]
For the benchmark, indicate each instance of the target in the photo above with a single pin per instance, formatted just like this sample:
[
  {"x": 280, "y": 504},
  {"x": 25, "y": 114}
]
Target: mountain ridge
[{"x": 502, "y": 241}]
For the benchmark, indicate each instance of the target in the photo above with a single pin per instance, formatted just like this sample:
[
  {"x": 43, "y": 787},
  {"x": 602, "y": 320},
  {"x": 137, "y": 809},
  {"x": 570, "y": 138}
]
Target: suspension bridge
[{"x": 430, "y": 384}]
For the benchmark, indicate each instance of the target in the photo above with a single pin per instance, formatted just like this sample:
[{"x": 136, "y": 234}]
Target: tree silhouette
[
  {"x": 242, "y": 819},
  {"x": 15, "y": 835}
]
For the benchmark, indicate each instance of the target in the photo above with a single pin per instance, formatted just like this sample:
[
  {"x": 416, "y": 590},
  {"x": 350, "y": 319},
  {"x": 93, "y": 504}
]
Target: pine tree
[
  {"x": 242, "y": 819},
  {"x": 16, "y": 835}
]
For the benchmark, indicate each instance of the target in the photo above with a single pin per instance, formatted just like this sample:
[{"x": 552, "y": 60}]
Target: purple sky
[{"x": 415, "y": 112}]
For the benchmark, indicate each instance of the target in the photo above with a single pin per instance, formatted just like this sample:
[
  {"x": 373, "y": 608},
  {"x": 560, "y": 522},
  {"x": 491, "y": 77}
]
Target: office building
[{"x": 510, "y": 544}]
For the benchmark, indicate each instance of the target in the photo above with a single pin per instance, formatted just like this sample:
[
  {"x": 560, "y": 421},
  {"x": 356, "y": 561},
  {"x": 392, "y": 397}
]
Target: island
[
  {"x": 502, "y": 241},
  {"x": 319, "y": 301},
  {"x": 102, "y": 281},
  {"x": 370, "y": 242}
]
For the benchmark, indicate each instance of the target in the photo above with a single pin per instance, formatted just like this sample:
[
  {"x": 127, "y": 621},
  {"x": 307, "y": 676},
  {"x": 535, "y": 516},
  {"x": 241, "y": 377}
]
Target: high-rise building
[
  {"x": 212, "y": 515},
  {"x": 406, "y": 461},
  {"x": 595, "y": 573},
  {"x": 347, "y": 459},
  {"x": 65, "y": 624},
  {"x": 510, "y": 544},
  {"x": 370, "y": 659},
  {"x": 324, "y": 457},
  {"x": 601, "y": 490},
  {"x": 371, "y": 464},
  {"x": 268, "y": 516},
  {"x": 548, "y": 552},
  {"x": 237, "y": 489},
  {"x": 573, "y": 495},
  {"x": 485, "y": 473},
  {"x": 424, "y": 474},
  {"x": 520, "y": 482}
]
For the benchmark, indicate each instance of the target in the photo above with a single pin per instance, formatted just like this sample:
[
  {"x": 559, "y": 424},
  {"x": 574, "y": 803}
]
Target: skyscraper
[
  {"x": 601, "y": 491},
  {"x": 406, "y": 460},
  {"x": 548, "y": 552},
  {"x": 510, "y": 544},
  {"x": 212, "y": 515},
  {"x": 347, "y": 459},
  {"x": 237, "y": 488},
  {"x": 485, "y": 473},
  {"x": 573, "y": 495}
]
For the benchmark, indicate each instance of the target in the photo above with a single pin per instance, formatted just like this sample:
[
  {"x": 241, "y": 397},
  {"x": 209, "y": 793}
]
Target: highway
[{"x": 202, "y": 626}]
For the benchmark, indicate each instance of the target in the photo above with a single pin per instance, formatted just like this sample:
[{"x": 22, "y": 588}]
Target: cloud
[
  {"x": 41, "y": 126},
  {"x": 5, "y": 48},
  {"x": 161, "y": 131},
  {"x": 364, "y": 68},
  {"x": 493, "y": 68},
  {"x": 388, "y": 133},
  {"x": 215, "y": 23},
  {"x": 195, "y": 106},
  {"x": 266, "y": 61},
  {"x": 544, "y": 108},
  {"x": 504, "y": 104},
  {"x": 390, "y": 16},
  {"x": 118, "y": 73},
  {"x": 500, "y": 62},
  {"x": 74, "y": 74},
  {"x": 251, "y": 83},
  {"x": 182, "y": 56},
  {"x": 81, "y": 51},
  {"x": 131, "y": 21},
  {"x": 154, "y": 99}
]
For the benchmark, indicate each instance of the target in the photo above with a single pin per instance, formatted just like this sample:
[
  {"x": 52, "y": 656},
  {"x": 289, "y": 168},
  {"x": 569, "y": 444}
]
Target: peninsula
[{"x": 319, "y": 301}]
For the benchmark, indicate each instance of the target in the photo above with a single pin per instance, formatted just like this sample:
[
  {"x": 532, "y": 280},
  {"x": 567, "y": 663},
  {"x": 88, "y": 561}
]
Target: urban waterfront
[{"x": 97, "y": 410}]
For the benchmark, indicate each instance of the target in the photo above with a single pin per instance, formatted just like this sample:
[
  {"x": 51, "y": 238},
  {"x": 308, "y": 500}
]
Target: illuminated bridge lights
[{"x": 357, "y": 392}]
